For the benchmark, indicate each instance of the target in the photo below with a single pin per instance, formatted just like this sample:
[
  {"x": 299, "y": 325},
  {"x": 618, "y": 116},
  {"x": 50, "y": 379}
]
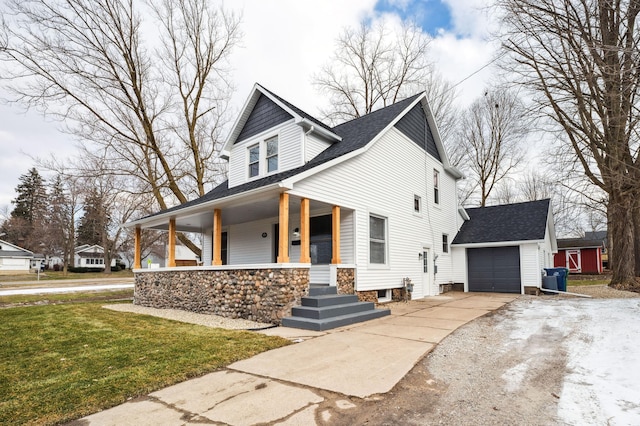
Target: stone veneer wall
[
  {"x": 264, "y": 295},
  {"x": 346, "y": 280}
]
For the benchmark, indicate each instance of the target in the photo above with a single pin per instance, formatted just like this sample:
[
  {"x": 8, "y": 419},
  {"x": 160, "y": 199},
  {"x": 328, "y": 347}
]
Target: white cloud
[{"x": 284, "y": 43}]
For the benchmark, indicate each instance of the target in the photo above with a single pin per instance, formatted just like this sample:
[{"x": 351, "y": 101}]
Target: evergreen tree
[
  {"x": 28, "y": 222},
  {"x": 31, "y": 202},
  {"x": 94, "y": 222}
]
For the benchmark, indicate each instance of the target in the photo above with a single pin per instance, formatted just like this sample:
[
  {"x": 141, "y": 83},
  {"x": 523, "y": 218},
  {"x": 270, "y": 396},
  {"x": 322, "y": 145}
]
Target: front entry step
[{"x": 324, "y": 309}]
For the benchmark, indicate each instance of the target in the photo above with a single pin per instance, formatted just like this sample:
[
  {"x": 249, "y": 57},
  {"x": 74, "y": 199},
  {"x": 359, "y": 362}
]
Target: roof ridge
[{"x": 379, "y": 110}]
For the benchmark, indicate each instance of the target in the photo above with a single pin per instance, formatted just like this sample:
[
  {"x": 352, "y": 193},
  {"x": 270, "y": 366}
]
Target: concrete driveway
[{"x": 287, "y": 386}]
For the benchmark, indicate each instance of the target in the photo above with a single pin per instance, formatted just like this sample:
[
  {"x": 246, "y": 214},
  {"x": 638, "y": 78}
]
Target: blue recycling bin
[{"x": 560, "y": 274}]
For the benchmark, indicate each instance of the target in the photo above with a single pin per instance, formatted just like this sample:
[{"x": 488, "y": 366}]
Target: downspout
[{"x": 304, "y": 145}]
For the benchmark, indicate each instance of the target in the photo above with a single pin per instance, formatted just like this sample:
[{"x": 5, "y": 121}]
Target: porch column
[
  {"x": 217, "y": 237},
  {"x": 283, "y": 242},
  {"x": 136, "y": 248},
  {"x": 172, "y": 244},
  {"x": 304, "y": 231},
  {"x": 335, "y": 235}
]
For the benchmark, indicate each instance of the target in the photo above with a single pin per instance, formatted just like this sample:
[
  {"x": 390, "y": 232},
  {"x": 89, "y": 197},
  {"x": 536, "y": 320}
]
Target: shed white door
[{"x": 573, "y": 261}]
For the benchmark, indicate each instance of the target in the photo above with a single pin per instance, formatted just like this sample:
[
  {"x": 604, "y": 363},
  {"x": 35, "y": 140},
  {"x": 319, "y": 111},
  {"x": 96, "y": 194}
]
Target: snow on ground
[{"x": 602, "y": 341}]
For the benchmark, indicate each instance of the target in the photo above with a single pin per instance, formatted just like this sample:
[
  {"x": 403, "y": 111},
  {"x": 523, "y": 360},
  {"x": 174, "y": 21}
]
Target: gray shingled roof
[
  {"x": 298, "y": 111},
  {"x": 507, "y": 222},
  {"x": 355, "y": 134},
  {"x": 564, "y": 243}
]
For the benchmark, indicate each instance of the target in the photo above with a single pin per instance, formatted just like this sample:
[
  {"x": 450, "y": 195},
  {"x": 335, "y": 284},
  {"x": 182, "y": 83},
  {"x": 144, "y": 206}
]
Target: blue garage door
[{"x": 495, "y": 269}]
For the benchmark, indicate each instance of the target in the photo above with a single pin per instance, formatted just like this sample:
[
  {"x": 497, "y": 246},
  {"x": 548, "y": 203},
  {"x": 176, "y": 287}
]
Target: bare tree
[
  {"x": 152, "y": 112},
  {"x": 536, "y": 185},
  {"x": 581, "y": 62},
  {"x": 506, "y": 192},
  {"x": 491, "y": 133},
  {"x": 373, "y": 66},
  {"x": 64, "y": 206}
]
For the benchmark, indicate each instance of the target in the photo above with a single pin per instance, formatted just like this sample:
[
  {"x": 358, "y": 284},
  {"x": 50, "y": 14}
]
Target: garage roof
[{"x": 507, "y": 222}]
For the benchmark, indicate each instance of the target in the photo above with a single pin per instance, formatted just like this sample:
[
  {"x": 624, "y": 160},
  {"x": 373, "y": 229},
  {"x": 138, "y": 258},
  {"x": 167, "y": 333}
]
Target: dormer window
[
  {"x": 272, "y": 154},
  {"x": 263, "y": 157},
  {"x": 254, "y": 160}
]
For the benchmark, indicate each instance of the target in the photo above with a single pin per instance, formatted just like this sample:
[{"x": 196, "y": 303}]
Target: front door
[
  {"x": 427, "y": 274},
  {"x": 320, "y": 240},
  {"x": 573, "y": 261}
]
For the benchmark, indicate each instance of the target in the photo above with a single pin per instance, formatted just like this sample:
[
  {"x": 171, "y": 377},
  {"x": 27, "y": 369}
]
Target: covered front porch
[{"x": 261, "y": 252}]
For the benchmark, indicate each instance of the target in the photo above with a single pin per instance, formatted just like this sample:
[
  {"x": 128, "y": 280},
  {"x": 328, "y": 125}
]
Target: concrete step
[
  {"x": 334, "y": 322},
  {"x": 328, "y": 300},
  {"x": 319, "y": 290},
  {"x": 331, "y": 311}
]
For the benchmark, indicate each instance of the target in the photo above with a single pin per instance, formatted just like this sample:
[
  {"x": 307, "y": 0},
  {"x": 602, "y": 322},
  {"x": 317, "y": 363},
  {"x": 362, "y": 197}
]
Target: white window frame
[
  {"x": 249, "y": 163},
  {"x": 263, "y": 159},
  {"x": 267, "y": 156},
  {"x": 445, "y": 248},
  {"x": 417, "y": 202},
  {"x": 387, "y": 296},
  {"x": 385, "y": 241},
  {"x": 436, "y": 187}
]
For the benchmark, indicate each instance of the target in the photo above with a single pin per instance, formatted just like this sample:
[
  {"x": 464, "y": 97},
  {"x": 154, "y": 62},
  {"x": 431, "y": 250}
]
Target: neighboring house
[
  {"x": 14, "y": 259},
  {"x": 580, "y": 255},
  {"x": 366, "y": 207},
  {"x": 39, "y": 261},
  {"x": 505, "y": 247},
  {"x": 90, "y": 256}
]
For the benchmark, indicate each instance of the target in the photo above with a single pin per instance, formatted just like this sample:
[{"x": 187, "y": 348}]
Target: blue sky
[{"x": 431, "y": 15}]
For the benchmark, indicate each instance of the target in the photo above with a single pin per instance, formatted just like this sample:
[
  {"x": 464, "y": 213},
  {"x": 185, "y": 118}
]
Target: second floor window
[
  {"x": 272, "y": 154},
  {"x": 254, "y": 161},
  {"x": 436, "y": 189}
]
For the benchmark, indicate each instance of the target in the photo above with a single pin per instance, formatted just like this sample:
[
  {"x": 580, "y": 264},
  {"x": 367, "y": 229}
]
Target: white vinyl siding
[
  {"x": 207, "y": 246},
  {"x": 246, "y": 244},
  {"x": 408, "y": 171},
  {"x": 314, "y": 146}
]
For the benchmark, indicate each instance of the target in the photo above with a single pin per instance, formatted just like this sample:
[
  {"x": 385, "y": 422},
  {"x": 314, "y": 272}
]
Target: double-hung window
[
  {"x": 377, "y": 239},
  {"x": 436, "y": 187},
  {"x": 254, "y": 160},
  {"x": 445, "y": 243},
  {"x": 272, "y": 154},
  {"x": 263, "y": 157}
]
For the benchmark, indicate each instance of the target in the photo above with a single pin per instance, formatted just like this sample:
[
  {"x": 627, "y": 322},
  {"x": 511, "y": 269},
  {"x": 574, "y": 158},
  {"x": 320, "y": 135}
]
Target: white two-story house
[{"x": 368, "y": 207}]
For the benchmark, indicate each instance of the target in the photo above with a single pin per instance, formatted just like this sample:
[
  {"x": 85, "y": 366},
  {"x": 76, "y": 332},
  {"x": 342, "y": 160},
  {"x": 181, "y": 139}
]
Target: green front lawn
[
  {"x": 61, "y": 362},
  {"x": 58, "y": 275}
]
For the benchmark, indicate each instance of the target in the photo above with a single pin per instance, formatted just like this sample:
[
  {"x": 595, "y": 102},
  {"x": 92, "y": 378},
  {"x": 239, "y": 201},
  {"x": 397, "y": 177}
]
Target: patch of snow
[
  {"x": 603, "y": 383},
  {"x": 602, "y": 342},
  {"x": 515, "y": 375}
]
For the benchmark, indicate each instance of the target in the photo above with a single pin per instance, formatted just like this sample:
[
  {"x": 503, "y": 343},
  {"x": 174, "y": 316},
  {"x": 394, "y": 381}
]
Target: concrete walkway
[{"x": 288, "y": 386}]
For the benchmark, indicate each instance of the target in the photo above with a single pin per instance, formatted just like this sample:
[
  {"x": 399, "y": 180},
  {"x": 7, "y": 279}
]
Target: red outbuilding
[{"x": 580, "y": 256}]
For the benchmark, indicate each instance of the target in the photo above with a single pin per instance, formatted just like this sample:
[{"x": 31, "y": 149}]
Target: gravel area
[
  {"x": 498, "y": 371},
  {"x": 190, "y": 317},
  {"x": 602, "y": 292}
]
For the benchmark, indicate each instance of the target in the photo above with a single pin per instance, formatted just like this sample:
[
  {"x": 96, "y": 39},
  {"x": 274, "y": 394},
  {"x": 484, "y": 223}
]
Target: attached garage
[
  {"x": 504, "y": 248},
  {"x": 494, "y": 269}
]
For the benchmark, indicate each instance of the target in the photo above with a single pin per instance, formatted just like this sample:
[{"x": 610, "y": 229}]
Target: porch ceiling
[{"x": 233, "y": 213}]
